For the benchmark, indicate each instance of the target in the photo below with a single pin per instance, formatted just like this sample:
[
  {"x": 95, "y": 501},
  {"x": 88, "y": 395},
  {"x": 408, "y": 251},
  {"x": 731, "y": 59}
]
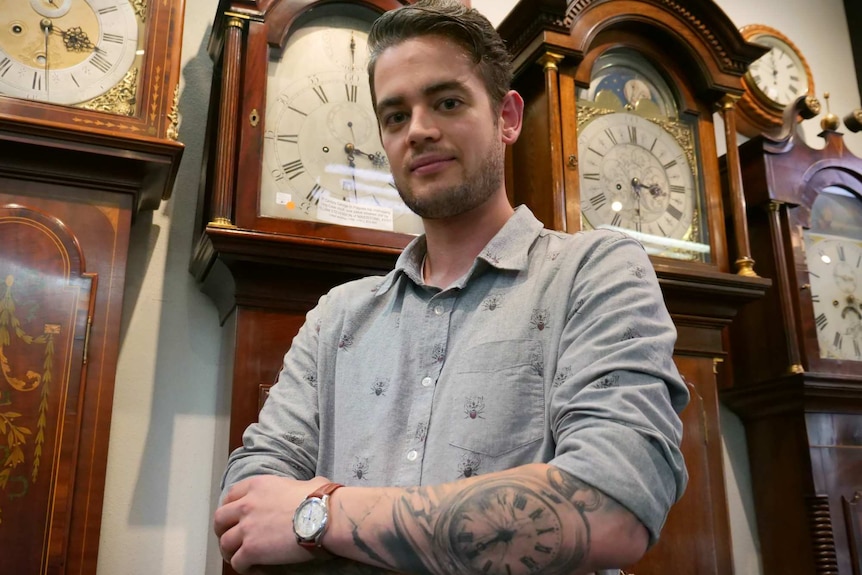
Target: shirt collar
[{"x": 508, "y": 249}]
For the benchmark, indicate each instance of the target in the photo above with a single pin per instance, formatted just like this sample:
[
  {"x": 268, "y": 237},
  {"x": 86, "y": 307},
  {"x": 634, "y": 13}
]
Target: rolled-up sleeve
[
  {"x": 284, "y": 441},
  {"x": 615, "y": 416}
]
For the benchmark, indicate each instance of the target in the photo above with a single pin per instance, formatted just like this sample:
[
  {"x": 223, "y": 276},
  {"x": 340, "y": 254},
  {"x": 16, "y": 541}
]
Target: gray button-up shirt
[{"x": 553, "y": 348}]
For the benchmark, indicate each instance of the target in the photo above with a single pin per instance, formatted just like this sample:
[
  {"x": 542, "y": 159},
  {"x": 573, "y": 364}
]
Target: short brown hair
[{"x": 451, "y": 20}]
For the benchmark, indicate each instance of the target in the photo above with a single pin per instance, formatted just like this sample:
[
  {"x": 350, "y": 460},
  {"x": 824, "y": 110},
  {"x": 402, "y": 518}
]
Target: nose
[{"x": 423, "y": 127}]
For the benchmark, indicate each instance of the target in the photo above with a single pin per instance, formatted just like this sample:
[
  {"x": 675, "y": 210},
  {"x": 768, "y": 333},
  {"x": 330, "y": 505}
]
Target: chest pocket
[{"x": 495, "y": 403}]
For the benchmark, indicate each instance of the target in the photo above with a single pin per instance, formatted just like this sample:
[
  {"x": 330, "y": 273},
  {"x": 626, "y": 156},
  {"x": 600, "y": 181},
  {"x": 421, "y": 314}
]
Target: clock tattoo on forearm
[{"x": 509, "y": 525}]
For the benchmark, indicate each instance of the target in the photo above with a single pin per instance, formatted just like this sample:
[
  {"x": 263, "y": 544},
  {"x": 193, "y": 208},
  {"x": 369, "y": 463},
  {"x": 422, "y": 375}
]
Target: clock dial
[
  {"x": 323, "y": 160},
  {"x": 835, "y": 272},
  {"x": 508, "y": 530},
  {"x": 635, "y": 176},
  {"x": 638, "y": 159},
  {"x": 65, "y": 51},
  {"x": 779, "y": 75}
]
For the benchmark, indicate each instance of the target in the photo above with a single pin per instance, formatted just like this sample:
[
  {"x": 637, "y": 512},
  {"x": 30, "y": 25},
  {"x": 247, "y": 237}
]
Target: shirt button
[
  {"x": 438, "y": 310},
  {"x": 427, "y": 381},
  {"x": 412, "y": 455}
]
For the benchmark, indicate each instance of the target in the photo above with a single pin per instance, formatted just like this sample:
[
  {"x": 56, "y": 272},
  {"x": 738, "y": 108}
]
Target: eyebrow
[{"x": 429, "y": 90}]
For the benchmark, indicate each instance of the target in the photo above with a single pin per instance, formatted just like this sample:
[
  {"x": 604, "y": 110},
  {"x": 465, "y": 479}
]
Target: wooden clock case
[
  {"x": 802, "y": 413},
  {"x": 72, "y": 181}
]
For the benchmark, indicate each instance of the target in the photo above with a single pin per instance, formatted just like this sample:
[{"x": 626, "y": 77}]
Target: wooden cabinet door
[
  {"x": 62, "y": 262},
  {"x": 696, "y": 537}
]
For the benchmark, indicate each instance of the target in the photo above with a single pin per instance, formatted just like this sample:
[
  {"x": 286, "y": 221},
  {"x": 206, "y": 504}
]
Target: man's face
[{"x": 438, "y": 127}]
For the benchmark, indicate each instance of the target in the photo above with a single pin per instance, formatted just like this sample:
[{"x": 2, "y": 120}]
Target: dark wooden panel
[
  {"x": 696, "y": 537},
  {"x": 853, "y": 516},
  {"x": 44, "y": 310},
  {"x": 100, "y": 222}
]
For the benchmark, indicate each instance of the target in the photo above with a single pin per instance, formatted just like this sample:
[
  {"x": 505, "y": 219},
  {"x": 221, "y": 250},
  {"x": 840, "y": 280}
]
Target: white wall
[{"x": 169, "y": 429}]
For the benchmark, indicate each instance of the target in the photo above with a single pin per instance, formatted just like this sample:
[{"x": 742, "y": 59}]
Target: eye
[
  {"x": 394, "y": 119},
  {"x": 449, "y": 104}
]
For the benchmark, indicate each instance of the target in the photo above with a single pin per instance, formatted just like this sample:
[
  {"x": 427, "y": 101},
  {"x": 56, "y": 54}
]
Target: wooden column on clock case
[
  {"x": 703, "y": 54},
  {"x": 744, "y": 263}
]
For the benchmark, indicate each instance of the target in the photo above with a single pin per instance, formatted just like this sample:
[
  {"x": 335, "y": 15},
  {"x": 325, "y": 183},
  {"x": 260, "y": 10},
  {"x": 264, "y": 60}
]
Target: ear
[{"x": 511, "y": 117}]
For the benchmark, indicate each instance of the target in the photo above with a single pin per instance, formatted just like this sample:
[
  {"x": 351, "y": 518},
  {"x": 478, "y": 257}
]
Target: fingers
[{"x": 238, "y": 490}]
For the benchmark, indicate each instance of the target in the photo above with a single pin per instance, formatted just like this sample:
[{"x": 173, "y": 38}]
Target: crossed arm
[{"x": 533, "y": 518}]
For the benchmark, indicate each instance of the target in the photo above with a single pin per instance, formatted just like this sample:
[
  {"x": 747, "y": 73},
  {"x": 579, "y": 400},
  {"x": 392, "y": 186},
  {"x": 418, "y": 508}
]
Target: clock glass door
[
  {"x": 639, "y": 159},
  {"x": 323, "y": 159},
  {"x": 833, "y": 253}
]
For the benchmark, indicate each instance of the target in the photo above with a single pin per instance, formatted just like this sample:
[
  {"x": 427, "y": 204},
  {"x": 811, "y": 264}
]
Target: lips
[{"x": 429, "y": 163}]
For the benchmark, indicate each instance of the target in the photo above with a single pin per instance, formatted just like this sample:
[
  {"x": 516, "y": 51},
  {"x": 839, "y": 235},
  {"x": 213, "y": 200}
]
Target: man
[{"x": 504, "y": 401}]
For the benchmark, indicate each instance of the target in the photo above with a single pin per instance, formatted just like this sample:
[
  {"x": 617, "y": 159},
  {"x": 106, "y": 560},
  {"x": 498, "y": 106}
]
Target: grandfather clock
[
  {"x": 88, "y": 128},
  {"x": 296, "y": 193},
  {"x": 797, "y": 353},
  {"x": 618, "y": 134}
]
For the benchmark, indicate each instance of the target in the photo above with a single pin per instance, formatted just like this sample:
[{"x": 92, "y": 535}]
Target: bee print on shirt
[
  {"x": 562, "y": 375},
  {"x": 537, "y": 362},
  {"x": 469, "y": 465},
  {"x": 474, "y": 407},
  {"x": 359, "y": 469},
  {"x": 492, "y": 257},
  {"x": 345, "y": 342},
  {"x": 636, "y": 270},
  {"x": 310, "y": 377},
  {"x": 539, "y": 319},
  {"x": 295, "y": 437},
  {"x": 492, "y": 303},
  {"x": 575, "y": 309},
  {"x": 630, "y": 333},
  {"x": 379, "y": 387},
  {"x": 607, "y": 381},
  {"x": 552, "y": 256},
  {"x": 438, "y": 354},
  {"x": 421, "y": 431}
]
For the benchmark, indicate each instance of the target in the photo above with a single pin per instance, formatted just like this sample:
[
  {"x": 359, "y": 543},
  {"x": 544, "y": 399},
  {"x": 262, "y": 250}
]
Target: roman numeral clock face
[
  {"x": 835, "y": 272},
  {"x": 65, "y": 51},
  {"x": 323, "y": 159},
  {"x": 779, "y": 75},
  {"x": 635, "y": 176}
]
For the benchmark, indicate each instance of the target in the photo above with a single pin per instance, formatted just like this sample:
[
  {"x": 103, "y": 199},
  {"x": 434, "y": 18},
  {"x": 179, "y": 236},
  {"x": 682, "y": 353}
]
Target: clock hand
[
  {"x": 379, "y": 160},
  {"x": 352, "y": 51},
  {"x": 636, "y": 189},
  {"x": 46, "y": 26},
  {"x": 76, "y": 40}
]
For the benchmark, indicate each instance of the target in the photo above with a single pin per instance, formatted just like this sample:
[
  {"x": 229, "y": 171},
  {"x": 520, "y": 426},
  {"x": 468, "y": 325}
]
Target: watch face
[
  {"x": 779, "y": 75},
  {"x": 835, "y": 272},
  {"x": 66, "y": 51},
  {"x": 323, "y": 160},
  {"x": 309, "y": 519}
]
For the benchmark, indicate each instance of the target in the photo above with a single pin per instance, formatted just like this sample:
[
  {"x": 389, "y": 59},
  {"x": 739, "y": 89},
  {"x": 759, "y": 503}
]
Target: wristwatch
[{"x": 310, "y": 518}]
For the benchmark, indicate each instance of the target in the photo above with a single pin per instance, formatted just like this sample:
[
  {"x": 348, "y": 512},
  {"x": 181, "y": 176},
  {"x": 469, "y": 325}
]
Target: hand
[
  {"x": 377, "y": 159},
  {"x": 255, "y": 522},
  {"x": 76, "y": 40}
]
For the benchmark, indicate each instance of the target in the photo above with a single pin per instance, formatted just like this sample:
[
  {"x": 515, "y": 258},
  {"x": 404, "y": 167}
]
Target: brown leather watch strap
[{"x": 325, "y": 489}]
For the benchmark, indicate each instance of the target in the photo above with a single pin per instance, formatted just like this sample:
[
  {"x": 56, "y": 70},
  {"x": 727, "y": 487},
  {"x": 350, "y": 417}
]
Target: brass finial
[
  {"x": 830, "y": 121},
  {"x": 853, "y": 120}
]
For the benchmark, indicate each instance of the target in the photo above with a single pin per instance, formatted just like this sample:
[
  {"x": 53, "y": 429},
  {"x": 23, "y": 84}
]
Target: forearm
[{"x": 526, "y": 519}]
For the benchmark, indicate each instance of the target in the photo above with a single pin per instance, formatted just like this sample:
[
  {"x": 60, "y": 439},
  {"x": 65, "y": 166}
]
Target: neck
[{"x": 454, "y": 243}]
